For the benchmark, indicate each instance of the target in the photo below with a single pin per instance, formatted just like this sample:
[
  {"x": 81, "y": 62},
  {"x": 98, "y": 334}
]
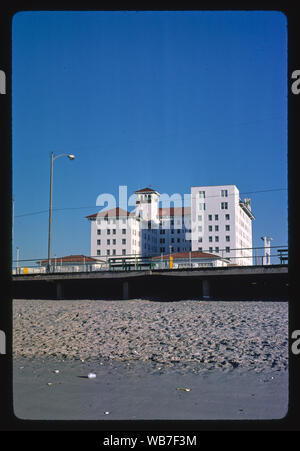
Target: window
[
  {"x": 200, "y": 249},
  {"x": 162, "y": 232},
  {"x": 172, "y": 240},
  {"x": 200, "y": 239},
  {"x": 178, "y": 230},
  {"x": 178, "y": 240},
  {"x": 99, "y": 231},
  {"x": 211, "y": 250},
  {"x": 98, "y": 242},
  {"x": 227, "y": 238},
  {"x": 210, "y": 217},
  {"x": 210, "y": 228},
  {"x": 202, "y": 194},
  {"x": 114, "y": 241},
  {"x": 199, "y": 217},
  {"x": 178, "y": 249},
  {"x": 124, "y": 231},
  {"x": 217, "y": 249},
  {"x": 114, "y": 251},
  {"x": 108, "y": 231},
  {"x": 123, "y": 251},
  {"x": 216, "y": 228},
  {"x": 227, "y": 249},
  {"x": 199, "y": 228},
  {"x": 216, "y": 217},
  {"x": 224, "y": 193},
  {"x": 114, "y": 231},
  {"x": 172, "y": 231},
  {"x": 227, "y": 217},
  {"x": 98, "y": 252},
  {"x": 161, "y": 249},
  {"x": 108, "y": 242},
  {"x": 210, "y": 239},
  {"x": 224, "y": 205},
  {"x": 124, "y": 241},
  {"x": 201, "y": 206},
  {"x": 227, "y": 228},
  {"x": 108, "y": 252},
  {"x": 162, "y": 240},
  {"x": 216, "y": 238}
]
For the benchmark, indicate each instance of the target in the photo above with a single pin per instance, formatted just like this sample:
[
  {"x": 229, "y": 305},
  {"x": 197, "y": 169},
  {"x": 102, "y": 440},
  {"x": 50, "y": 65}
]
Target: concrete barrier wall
[{"x": 263, "y": 286}]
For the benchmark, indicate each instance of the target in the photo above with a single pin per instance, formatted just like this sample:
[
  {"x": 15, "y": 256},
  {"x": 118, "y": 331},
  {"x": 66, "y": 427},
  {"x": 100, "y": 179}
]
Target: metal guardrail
[{"x": 135, "y": 262}]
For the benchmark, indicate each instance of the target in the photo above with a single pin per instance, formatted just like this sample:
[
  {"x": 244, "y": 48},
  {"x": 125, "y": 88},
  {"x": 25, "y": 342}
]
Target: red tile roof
[
  {"x": 175, "y": 211},
  {"x": 71, "y": 259},
  {"x": 145, "y": 190},
  {"x": 119, "y": 212},
  {"x": 194, "y": 254},
  {"x": 112, "y": 213}
]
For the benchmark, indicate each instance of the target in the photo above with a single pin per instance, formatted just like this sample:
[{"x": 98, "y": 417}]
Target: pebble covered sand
[{"x": 191, "y": 334}]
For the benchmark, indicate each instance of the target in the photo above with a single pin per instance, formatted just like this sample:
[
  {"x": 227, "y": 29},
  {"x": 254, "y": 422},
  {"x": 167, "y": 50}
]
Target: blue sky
[{"x": 167, "y": 99}]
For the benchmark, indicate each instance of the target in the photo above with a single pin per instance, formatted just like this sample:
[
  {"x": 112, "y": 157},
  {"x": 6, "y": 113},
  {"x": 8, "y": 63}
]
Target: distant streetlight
[{"x": 71, "y": 157}]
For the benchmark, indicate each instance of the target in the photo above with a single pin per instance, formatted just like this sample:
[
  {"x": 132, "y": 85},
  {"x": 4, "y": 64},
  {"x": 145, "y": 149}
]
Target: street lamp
[{"x": 71, "y": 157}]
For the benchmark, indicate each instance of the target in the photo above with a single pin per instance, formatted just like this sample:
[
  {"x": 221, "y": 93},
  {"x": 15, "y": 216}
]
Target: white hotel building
[
  {"x": 222, "y": 223},
  {"x": 217, "y": 222}
]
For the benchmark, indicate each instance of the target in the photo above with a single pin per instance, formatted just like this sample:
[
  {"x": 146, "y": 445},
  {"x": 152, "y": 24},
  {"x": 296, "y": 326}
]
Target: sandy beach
[{"x": 231, "y": 356}]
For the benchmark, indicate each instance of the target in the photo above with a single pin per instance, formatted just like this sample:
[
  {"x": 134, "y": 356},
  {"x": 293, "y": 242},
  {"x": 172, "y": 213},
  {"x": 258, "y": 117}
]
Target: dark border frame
[{"x": 8, "y": 422}]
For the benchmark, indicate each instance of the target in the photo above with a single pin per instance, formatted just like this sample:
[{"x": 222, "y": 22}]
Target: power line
[{"x": 94, "y": 206}]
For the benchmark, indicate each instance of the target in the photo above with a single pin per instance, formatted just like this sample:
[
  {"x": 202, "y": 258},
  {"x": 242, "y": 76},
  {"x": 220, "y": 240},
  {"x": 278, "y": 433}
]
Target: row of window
[
  {"x": 162, "y": 240},
  {"x": 216, "y": 217},
  {"x": 109, "y": 253},
  {"x": 217, "y": 249},
  {"x": 224, "y": 206},
  {"x": 162, "y": 250},
  {"x": 224, "y": 193},
  {"x": 163, "y": 231},
  {"x": 210, "y": 239},
  {"x": 108, "y": 242},
  {"x": 210, "y": 228},
  {"x": 110, "y": 230}
]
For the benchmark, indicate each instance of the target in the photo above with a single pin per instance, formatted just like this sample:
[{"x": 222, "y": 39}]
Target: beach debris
[
  {"x": 49, "y": 383},
  {"x": 184, "y": 389},
  {"x": 92, "y": 375},
  {"x": 56, "y": 371},
  {"x": 106, "y": 413}
]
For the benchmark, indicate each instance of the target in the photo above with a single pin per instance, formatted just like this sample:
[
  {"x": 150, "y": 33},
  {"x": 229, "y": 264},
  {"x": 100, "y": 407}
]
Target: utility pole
[{"x": 18, "y": 260}]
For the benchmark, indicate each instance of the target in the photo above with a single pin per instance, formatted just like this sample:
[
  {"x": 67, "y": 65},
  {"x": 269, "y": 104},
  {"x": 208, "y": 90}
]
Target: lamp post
[{"x": 71, "y": 157}]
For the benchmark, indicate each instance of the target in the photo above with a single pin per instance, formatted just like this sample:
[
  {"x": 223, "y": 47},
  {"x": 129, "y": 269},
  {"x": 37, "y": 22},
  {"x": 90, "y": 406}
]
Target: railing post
[
  {"x": 59, "y": 294},
  {"x": 125, "y": 289},
  {"x": 205, "y": 289}
]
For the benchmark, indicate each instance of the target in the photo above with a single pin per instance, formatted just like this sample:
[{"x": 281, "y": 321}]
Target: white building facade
[
  {"x": 222, "y": 223},
  {"x": 217, "y": 222}
]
